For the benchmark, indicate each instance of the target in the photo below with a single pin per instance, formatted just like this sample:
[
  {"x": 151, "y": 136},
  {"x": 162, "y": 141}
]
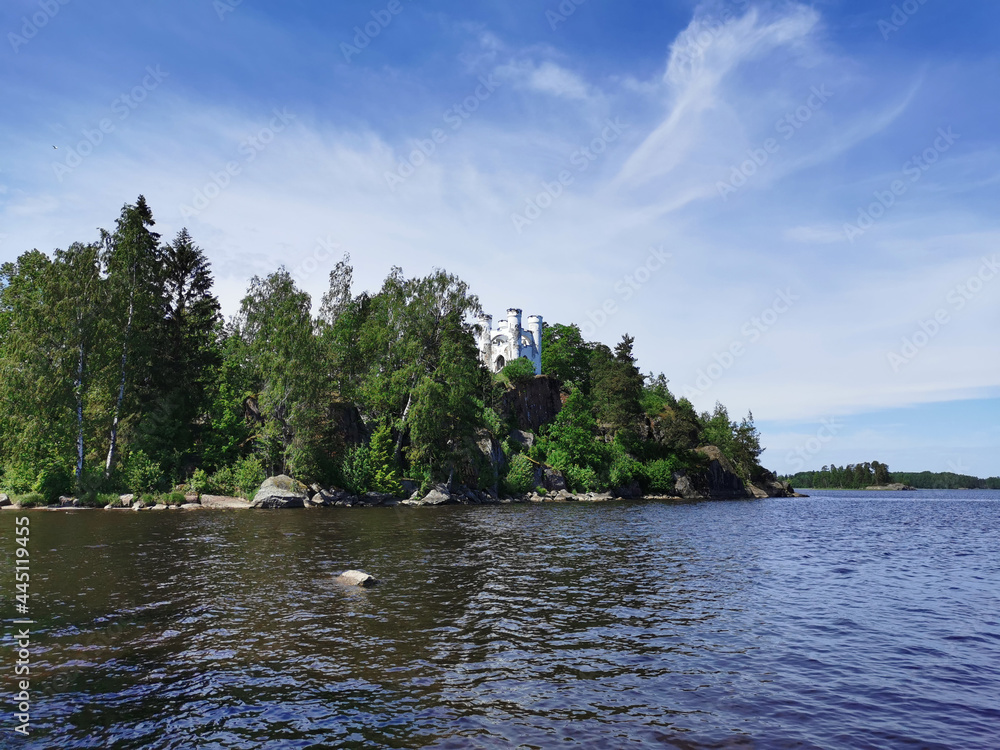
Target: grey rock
[
  {"x": 68, "y": 502},
  {"x": 686, "y": 489},
  {"x": 139, "y": 505},
  {"x": 280, "y": 492},
  {"x": 523, "y": 437},
  {"x": 160, "y": 506},
  {"x": 192, "y": 506},
  {"x": 126, "y": 500},
  {"x": 357, "y": 578},
  {"x": 4, "y": 500},
  {"x": 553, "y": 480}
]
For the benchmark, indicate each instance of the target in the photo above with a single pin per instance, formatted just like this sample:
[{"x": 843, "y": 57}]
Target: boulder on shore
[
  {"x": 4, "y": 500},
  {"x": 357, "y": 578},
  {"x": 440, "y": 495},
  {"x": 280, "y": 492}
]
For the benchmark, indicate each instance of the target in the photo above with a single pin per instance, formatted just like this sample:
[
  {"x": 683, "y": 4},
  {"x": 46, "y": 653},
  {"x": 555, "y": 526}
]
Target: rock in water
[
  {"x": 280, "y": 492},
  {"x": 357, "y": 578}
]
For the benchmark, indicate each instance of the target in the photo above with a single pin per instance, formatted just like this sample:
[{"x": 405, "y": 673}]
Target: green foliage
[
  {"x": 19, "y": 479},
  {"x": 199, "y": 481},
  {"x": 617, "y": 386},
  {"x": 30, "y": 500},
  {"x": 658, "y": 475},
  {"x": 656, "y": 397},
  {"x": 571, "y": 440},
  {"x": 173, "y": 498},
  {"x": 53, "y": 480},
  {"x": 624, "y": 468},
  {"x": 519, "y": 371},
  {"x": 381, "y": 458},
  {"x": 141, "y": 473},
  {"x": 566, "y": 356},
  {"x": 242, "y": 479},
  {"x": 582, "y": 479},
  {"x": 740, "y": 443},
  {"x": 357, "y": 472},
  {"x": 520, "y": 476}
]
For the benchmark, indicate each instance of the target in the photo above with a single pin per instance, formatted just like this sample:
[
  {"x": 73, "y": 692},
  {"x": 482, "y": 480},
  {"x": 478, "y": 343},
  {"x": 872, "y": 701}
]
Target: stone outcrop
[
  {"x": 895, "y": 487},
  {"x": 769, "y": 485},
  {"x": 357, "y": 578},
  {"x": 533, "y": 403},
  {"x": 222, "y": 502},
  {"x": 280, "y": 492},
  {"x": 4, "y": 500}
]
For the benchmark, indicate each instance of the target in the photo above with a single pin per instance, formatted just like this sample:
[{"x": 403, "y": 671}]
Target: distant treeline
[{"x": 859, "y": 476}]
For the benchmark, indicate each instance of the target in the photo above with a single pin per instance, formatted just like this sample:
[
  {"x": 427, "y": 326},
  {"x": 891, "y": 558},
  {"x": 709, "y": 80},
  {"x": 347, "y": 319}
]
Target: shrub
[
  {"x": 659, "y": 475},
  {"x": 520, "y": 477},
  {"x": 53, "y": 480},
  {"x": 624, "y": 468},
  {"x": 173, "y": 498},
  {"x": 18, "y": 479},
  {"x": 519, "y": 371},
  {"x": 103, "y": 500},
  {"x": 581, "y": 479},
  {"x": 356, "y": 470},
  {"x": 248, "y": 475},
  {"x": 142, "y": 474},
  {"x": 199, "y": 481},
  {"x": 242, "y": 479},
  {"x": 31, "y": 500}
]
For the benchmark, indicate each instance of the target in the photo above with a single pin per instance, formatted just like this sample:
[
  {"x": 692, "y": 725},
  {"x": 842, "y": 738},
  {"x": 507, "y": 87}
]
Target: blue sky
[{"x": 791, "y": 206}]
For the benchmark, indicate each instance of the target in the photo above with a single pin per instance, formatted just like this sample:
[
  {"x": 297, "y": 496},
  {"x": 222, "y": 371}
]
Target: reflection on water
[{"x": 837, "y": 621}]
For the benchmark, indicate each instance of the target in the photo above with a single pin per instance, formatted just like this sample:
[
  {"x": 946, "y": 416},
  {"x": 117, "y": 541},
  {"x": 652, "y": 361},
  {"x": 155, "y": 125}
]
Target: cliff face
[
  {"x": 533, "y": 403},
  {"x": 718, "y": 481}
]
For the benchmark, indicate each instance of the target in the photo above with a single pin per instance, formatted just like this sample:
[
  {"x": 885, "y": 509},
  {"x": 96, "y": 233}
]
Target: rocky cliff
[{"x": 533, "y": 403}]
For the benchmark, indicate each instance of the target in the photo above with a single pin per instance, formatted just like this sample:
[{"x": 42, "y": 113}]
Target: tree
[
  {"x": 132, "y": 262},
  {"x": 565, "y": 355},
  {"x": 571, "y": 440},
  {"x": 187, "y": 356},
  {"x": 274, "y": 331},
  {"x": 617, "y": 386}
]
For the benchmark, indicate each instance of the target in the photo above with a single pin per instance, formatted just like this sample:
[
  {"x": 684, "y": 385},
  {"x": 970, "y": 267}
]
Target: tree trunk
[
  {"x": 402, "y": 431},
  {"x": 121, "y": 390},
  {"x": 79, "y": 416}
]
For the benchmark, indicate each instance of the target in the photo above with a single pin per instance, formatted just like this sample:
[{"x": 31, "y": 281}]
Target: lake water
[{"x": 838, "y": 621}]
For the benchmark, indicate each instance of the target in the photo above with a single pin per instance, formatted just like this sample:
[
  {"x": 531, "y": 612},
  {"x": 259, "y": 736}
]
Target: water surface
[{"x": 842, "y": 620}]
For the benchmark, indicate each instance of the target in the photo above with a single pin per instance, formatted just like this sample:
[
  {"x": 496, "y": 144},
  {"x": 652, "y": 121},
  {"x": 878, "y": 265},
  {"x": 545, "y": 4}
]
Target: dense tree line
[
  {"x": 859, "y": 476},
  {"x": 117, "y": 371}
]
